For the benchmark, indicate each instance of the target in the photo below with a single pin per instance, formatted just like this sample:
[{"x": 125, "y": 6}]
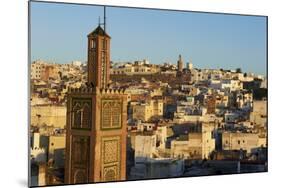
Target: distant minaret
[
  {"x": 189, "y": 65},
  {"x": 180, "y": 64},
  {"x": 99, "y": 56}
]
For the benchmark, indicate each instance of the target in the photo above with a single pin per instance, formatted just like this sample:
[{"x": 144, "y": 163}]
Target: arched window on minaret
[
  {"x": 77, "y": 116},
  {"x": 106, "y": 115},
  {"x": 86, "y": 117},
  {"x": 116, "y": 114},
  {"x": 92, "y": 44}
]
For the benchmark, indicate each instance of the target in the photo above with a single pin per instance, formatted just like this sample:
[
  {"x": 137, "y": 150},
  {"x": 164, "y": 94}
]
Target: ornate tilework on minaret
[{"x": 96, "y": 121}]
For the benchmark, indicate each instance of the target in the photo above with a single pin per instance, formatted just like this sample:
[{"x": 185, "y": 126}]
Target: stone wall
[{"x": 48, "y": 114}]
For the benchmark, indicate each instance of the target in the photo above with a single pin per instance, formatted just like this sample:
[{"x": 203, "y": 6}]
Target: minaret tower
[
  {"x": 99, "y": 56},
  {"x": 96, "y": 124},
  {"x": 180, "y": 64}
]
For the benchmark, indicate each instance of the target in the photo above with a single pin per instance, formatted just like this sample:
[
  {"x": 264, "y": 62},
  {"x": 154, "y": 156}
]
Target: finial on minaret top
[
  {"x": 104, "y": 19},
  {"x": 180, "y": 57}
]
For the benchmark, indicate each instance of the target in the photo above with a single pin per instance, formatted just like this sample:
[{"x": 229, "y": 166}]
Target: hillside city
[{"x": 181, "y": 120}]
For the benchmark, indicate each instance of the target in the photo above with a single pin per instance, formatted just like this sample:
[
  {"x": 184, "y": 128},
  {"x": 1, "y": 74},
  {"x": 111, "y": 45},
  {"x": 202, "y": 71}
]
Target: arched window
[
  {"x": 111, "y": 114},
  {"x": 77, "y": 116},
  {"x": 116, "y": 116},
  {"x": 106, "y": 116},
  {"x": 81, "y": 114},
  {"x": 92, "y": 44},
  {"x": 86, "y": 116}
]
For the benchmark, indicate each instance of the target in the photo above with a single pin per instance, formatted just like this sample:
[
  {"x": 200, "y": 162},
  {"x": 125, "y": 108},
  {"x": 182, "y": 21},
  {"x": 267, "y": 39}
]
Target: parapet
[
  {"x": 119, "y": 91},
  {"x": 96, "y": 90},
  {"x": 81, "y": 90}
]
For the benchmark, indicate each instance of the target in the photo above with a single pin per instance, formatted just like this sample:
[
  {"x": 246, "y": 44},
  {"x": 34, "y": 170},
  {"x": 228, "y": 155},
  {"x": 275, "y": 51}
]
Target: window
[
  {"x": 106, "y": 113},
  {"x": 92, "y": 44},
  {"x": 116, "y": 117},
  {"x": 81, "y": 115},
  {"x": 238, "y": 142},
  {"x": 77, "y": 118},
  {"x": 86, "y": 116},
  {"x": 111, "y": 114}
]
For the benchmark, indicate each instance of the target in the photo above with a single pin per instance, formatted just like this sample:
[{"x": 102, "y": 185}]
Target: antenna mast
[{"x": 104, "y": 18}]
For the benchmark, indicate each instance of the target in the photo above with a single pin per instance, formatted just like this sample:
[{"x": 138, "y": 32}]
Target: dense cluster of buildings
[
  {"x": 136, "y": 120},
  {"x": 49, "y": 84},
  {"x": 212, "y": 116}
]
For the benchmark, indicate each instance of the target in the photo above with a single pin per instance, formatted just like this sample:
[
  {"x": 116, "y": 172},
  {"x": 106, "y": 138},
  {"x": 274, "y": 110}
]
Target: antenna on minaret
[{"x": 104, "y": 18}]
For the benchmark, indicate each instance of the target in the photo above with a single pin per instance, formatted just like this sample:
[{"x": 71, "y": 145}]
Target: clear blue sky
[{"x": 59, "y": 34}]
